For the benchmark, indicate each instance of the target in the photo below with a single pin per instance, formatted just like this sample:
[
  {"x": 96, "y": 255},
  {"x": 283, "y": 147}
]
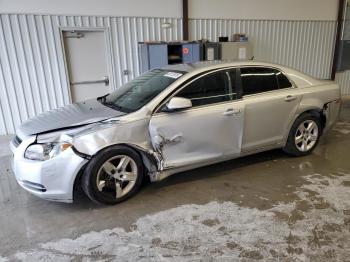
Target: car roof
[{"x": 216, "y": 64}]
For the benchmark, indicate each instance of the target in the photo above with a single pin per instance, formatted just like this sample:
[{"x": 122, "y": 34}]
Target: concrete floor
[{"x": 263, "y": 207}]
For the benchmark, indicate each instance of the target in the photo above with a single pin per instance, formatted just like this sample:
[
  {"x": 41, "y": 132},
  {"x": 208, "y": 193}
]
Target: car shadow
[
  {"x": 202, "y": 173},
  {"x": 221, "y": 168}
]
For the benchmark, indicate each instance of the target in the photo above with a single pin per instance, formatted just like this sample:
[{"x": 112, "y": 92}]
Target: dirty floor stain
[
  {"x": 224, "y": 231},
  {"x": 265, "y": 207}
]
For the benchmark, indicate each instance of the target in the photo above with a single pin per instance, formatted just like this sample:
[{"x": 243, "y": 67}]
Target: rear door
[
  {"x": 270, "y": 105},
  {"x": 211, "y": 129}
]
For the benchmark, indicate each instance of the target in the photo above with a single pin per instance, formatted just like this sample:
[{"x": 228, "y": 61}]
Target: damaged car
[{"x": 171, "y": 120}]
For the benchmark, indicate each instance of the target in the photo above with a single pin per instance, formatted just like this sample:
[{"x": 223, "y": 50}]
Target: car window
[
  {"x": 209, "y": 89},
  {"x": 138, "y": 92},
  {"x": 283, "y": 81},
  {"x": 258, "y": 79}
]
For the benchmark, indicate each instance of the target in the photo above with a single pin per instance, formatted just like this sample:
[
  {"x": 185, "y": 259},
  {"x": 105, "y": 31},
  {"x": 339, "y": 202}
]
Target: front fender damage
[
  {"x": 90, "y": 140},
  {"x": 152, "y": 160}
]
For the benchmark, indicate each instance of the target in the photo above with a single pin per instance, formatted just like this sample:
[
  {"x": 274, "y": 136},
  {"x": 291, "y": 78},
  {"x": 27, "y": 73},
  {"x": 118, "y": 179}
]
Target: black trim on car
[
  {"x": 16, "y": 141},
  {"x": 82, "y": 155}
]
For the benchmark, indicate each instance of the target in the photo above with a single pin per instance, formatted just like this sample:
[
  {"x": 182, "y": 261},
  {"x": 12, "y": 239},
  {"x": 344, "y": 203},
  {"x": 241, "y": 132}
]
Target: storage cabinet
[
  {"x": 155, "y": 55},
  {"x": 236, "y": 51},
  {"x": 191, "y": 53},
  {"x": 211, "y": 51},
  {"x": 152, "y": 56}
]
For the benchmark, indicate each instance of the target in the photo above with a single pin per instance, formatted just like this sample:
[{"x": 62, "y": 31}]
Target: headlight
[{"x": 46, "y": 151}]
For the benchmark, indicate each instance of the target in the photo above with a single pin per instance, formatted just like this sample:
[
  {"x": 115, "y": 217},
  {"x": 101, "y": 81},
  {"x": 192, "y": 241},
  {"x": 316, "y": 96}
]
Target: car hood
[{"x": 73, "y": 115}]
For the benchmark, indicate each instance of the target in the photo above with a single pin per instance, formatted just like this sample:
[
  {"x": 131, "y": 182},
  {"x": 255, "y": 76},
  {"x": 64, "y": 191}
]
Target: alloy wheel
[
  {"x": 117, "y": 176},
  {"x": 306, "y": 135}
]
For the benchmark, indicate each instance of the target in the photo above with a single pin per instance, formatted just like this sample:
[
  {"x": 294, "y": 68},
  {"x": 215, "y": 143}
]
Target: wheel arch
[
  {"x": 149, "y": 161},
  {"x": 316, "y": 111}
]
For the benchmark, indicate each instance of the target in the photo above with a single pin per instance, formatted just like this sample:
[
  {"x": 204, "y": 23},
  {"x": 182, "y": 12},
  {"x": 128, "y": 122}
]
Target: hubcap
[
  {"x": 117, "y": 176},
  {"x": 306, "y": 135}
]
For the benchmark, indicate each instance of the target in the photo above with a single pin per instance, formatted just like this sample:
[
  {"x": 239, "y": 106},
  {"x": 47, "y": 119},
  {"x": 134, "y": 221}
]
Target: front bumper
[{"x": 52, "y": 179}]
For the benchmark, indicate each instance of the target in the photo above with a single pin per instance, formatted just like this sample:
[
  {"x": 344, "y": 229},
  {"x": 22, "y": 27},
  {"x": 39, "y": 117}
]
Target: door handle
[
  {"x": 105, "y": 80},
  {"x": 231, "y": 111},
  {"x": 290, "y": 98}
]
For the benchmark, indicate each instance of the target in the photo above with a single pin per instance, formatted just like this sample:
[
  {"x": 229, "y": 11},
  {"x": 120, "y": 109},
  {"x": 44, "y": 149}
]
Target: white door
[
  {"x": 87, "y": 64},
  {"x": 210, "y": 130}
]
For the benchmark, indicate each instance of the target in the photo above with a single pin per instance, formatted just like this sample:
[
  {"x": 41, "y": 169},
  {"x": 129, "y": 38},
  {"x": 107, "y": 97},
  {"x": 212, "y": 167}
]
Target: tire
[
  {"x": 113, "y": 175},
  {"x": 297, "y": 147}
]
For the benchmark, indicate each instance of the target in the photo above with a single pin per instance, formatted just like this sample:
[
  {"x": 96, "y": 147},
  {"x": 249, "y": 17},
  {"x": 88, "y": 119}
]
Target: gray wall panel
[
  {"x": 304, "y": 45},
  {"x": 33, "y": 76},
  {"x": 32, "y": 70},
  {"x": 343, "y": 78}
]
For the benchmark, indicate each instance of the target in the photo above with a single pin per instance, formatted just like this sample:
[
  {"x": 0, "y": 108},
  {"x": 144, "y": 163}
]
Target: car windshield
[{"x": 138, "y": 92}]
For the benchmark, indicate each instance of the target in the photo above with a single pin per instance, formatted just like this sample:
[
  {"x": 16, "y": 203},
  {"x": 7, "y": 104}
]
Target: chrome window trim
[
  {"x": 205, "y": 97},
  {"x": 267, "y": 92},
  {"x": 230, "y": 85},
  {"x": 156, "y": 111},
  {"x": 158, "y": 114}
]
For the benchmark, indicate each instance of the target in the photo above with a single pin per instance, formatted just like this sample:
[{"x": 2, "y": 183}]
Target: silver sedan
[{"x": 170, "y": 120}]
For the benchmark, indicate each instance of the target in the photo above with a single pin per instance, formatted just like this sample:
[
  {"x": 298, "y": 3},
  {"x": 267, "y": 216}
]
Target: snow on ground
[
  {"x": 315, "y": 227},
  {"x": 342, "y": 127}
]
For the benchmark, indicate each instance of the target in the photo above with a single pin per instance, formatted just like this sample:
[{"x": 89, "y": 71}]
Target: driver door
[{"x": 210, "y": 130}]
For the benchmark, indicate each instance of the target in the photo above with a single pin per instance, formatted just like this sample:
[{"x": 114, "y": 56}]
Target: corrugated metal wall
[
  {"x": 304, "y": 45},
  {"x": 343, "y": 79},
  {"x": 32, "y": 70}
]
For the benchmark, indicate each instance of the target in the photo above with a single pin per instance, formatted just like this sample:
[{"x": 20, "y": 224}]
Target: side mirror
[{"x": 179, "y": 103}]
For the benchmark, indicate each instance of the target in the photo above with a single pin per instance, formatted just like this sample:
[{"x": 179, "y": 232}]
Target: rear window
[
  {"x": 259, "y": 79},
  {"x": 283, "y": 81}
]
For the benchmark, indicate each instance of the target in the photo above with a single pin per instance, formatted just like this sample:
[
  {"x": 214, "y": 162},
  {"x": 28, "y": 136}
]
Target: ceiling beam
[
  {"x": 185, "y": 19},
  {"x": 341, "y": 10}
]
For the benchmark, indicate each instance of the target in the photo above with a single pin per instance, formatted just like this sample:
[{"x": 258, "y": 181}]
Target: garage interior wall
[{"x": 33, "y": 77}]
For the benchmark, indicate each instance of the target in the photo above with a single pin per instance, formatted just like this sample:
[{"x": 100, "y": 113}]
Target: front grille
[{"x": 16, "y": 141}]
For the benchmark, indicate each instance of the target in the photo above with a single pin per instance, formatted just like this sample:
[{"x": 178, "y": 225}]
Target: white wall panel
[
  {"x": 317, "y": 10},
  {"x": 149, "y": 8},
  {"x": 304, "y": 45},
  {"x": 33, "y": 77},
  {"x": 32, "y": 69},
  {"x": 343, "y": 78}
]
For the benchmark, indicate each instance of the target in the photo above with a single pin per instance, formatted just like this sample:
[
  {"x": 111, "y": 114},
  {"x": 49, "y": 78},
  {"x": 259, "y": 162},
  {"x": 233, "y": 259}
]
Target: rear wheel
[
  {"x": 113, "y": 175},
  {"x": 304, "y": 135}
]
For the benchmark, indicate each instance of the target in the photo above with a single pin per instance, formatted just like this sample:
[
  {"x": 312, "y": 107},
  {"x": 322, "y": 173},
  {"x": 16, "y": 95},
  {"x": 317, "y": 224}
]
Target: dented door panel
[{"x": 198, "y": 134}]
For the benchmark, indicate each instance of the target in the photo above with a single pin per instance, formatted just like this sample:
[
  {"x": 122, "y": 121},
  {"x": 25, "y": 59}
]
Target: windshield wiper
[
  {"x": 102, "y": 98},
  {"x": 114, "y": 106}
]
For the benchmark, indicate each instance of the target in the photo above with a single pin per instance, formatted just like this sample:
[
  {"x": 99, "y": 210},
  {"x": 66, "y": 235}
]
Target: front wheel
[
  {"x": 113, "y": 175},
  {"x": 304, "y": 135}
]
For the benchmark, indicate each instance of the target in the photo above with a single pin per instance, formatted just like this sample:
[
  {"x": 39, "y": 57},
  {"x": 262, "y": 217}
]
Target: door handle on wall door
[
  {"x": 105, "y": 80},
  {"x": 290, "y": 98},
  {"x": 231, "y": 111}
]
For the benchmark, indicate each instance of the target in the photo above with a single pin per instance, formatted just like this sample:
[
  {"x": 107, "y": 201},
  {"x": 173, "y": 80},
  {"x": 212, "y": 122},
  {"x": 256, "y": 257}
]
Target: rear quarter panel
[
  {"x": 315, "y": 97},
  {"x": 323, "y": 97}
]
